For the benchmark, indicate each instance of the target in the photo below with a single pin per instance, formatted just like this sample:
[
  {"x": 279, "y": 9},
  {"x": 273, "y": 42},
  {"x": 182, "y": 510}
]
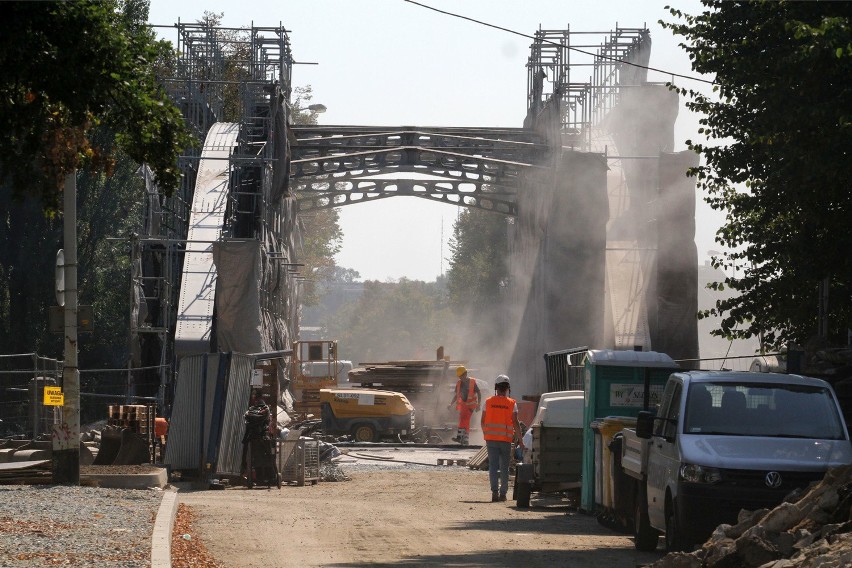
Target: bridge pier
[{"x": 557, "y": 262}]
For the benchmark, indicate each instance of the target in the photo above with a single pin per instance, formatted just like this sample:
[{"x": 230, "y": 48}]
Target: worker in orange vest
[
  {"x": 467, "y": 400},
  {"x": 500, "y": 427}
]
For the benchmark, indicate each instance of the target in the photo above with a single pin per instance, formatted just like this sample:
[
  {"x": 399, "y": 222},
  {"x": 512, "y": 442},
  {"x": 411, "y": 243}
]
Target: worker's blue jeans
[{"x": 498, "y": 462}]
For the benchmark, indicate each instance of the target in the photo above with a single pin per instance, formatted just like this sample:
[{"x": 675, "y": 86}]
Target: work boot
[
  {"x": 494, "y": 497},
  {"x": 503, "y": 497},
  {"x": 458, "y": 436}
]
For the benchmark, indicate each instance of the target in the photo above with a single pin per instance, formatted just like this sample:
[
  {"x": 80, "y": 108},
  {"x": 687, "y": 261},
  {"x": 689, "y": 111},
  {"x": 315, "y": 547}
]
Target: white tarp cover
[
  {"x": 209, "y": 202},
  {"x": 238, "y": 315}
]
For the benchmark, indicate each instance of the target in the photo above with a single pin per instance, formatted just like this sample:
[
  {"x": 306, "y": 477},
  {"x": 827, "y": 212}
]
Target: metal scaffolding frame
[
  {"x": 243, "y": 75},
  {"x": 583, "y": 104},
  {"x": 217, "y": 74}
]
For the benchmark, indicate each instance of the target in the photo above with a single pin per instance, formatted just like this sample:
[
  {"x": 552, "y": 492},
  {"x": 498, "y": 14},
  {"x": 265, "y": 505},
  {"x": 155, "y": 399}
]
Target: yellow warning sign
[{"x": 53, "y": 396}]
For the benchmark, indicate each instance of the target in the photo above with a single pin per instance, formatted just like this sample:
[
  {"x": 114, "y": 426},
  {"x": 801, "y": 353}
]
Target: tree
[
  {"x": 478, "y": 262},
  {"x": 321, "y": 234},
  {"x": 69, "y": 68},
  {"x": 777, "y": 160},
  {"x": 408, "y": 319}
]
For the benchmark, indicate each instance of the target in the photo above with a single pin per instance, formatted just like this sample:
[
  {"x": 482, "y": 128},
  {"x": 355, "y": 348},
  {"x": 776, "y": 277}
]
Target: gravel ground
[{"x": 48, "y": 525}]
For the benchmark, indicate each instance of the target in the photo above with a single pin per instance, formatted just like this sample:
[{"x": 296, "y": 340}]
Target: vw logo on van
[{"x": 773, "y": 479}]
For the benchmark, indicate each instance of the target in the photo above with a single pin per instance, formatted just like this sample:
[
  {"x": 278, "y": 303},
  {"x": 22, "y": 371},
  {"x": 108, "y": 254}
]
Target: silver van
[{"x": 725, "y": 441}]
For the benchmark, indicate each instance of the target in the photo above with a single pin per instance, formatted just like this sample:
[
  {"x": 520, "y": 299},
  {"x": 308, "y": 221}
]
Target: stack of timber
[
  {"x": 138, "y": 418},
  {"x": 407, "y": 376},
  {"x": 479, "y": 459},
  {"x": 35, "y": 472}
]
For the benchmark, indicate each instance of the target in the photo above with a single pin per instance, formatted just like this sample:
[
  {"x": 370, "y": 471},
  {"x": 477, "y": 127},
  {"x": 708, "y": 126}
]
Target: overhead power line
[{"x": 559, "y": 44}]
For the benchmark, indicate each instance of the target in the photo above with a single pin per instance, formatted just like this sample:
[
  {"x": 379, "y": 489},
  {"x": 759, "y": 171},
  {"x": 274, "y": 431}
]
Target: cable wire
[{"x": 559, "y": 44}]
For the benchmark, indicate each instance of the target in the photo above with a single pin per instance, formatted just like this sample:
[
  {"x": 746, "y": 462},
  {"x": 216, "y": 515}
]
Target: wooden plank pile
[
  {"x": 138, "y": 418},
  {"x": 479, "y": 459},
  {"x": 26, "y": 473},
  {"x": 405, "y": 375}
]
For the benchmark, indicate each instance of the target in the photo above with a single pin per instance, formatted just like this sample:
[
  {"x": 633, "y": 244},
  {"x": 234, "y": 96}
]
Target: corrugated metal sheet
[
  {"x": 233, "y": 425},
  {"x": 189, "y": 425},
  {"x": 212, "y": 432}
]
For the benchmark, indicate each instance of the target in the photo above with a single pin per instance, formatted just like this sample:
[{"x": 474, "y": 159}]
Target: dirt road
[{"x": 408, "y": 516}]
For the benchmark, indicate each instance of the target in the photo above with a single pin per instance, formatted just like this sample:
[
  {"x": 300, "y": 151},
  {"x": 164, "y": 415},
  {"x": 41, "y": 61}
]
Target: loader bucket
[
  {"x": 134, "y": 449},
  {"x": 110, "y": 444}
]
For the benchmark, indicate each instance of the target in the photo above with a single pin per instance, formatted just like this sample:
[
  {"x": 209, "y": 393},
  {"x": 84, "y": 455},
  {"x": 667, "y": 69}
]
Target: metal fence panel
[{"x": 564, "y": 369}]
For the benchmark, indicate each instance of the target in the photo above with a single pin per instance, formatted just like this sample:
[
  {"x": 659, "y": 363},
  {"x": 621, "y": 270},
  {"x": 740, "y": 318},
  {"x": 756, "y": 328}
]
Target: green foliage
[
  {"x": 67, "y": 68},
  {"x": 321, "y": 241},
  {"x": 108, "y": 196},
  {"x": 236, "y": 47},
  {"x": 777, "y": 160},
  {"x": 322, "y": 237},
  {"x": 478, "y": 263},
  {"x": 108, "y": 206},
  {"x": 407, "y": 319}
]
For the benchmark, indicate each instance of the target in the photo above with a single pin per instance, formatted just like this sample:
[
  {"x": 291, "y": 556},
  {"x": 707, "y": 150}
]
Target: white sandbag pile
[{"x": 812, "y": 528}]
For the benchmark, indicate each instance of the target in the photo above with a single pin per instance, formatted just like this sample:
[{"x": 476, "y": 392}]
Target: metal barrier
[
  {"x": 23, "y": 377},
  {"x": 564, "y": 369}
]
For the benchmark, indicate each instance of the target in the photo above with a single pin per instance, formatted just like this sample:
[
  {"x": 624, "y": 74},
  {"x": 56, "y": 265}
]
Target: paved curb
[
  {"x": 133, "y": 481},
  {"x": 161, "y": 540}
]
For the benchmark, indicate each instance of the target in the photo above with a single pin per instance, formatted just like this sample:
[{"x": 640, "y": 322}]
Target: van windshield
[{"x": 765, "y": 409}]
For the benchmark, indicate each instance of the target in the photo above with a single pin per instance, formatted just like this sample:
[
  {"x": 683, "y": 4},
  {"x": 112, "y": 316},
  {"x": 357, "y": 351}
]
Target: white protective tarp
[{"x": 209, "y": 203}]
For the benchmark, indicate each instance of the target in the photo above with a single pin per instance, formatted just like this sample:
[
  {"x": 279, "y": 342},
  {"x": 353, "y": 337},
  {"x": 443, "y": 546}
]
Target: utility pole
[{"x": 66, "y": 435}]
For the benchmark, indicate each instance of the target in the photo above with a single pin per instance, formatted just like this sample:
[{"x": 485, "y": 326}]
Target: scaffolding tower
[
  {"x": 217, "y": 74},
  {"x": 584, "y": 103}
]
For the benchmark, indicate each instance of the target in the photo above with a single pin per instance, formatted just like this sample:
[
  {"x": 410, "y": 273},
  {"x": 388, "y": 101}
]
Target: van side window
[{"x": 669, "y": 408}]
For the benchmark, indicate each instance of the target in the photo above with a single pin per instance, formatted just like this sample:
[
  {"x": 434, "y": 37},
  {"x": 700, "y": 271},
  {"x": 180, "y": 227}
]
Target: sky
[{"x": 393, "y": 63}]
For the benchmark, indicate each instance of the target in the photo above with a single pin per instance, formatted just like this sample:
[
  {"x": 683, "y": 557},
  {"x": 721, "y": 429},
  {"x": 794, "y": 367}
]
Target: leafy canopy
[
  {"x": 478, "y": 268},
  {"x": 776, "y": 160},
  {"x": 407, "y": 319},
  {"x": 322, "y": 237},
  {"x": 67, "y": 68}
]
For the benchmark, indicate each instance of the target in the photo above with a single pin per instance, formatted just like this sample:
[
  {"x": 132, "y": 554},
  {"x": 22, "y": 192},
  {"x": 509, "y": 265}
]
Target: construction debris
[
  {"x": 330, "y": 471},
  {"x": 810, "y": 528}
]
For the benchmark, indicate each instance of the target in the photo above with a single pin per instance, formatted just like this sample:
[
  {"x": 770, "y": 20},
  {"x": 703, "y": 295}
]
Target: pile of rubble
[{"x": 811, "y": 528}]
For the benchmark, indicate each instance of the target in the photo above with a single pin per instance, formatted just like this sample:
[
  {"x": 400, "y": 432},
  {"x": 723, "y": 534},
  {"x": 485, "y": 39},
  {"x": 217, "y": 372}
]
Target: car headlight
[{"x": 699, "y": 474}]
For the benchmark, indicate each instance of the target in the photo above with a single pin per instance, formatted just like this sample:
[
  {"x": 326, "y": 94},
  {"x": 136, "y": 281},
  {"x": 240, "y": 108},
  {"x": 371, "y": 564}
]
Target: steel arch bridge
[
  {"x": 333, "y": 166},
  {"x": 577, "y": 234}
]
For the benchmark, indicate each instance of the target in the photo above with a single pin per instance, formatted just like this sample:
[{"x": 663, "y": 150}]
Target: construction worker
[
  {"x": 500, "y": 427},
  {"x": 467, "y": 400}
]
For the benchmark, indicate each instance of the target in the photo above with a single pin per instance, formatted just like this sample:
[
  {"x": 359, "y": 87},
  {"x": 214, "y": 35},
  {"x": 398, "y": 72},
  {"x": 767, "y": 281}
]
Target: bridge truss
[
  {"x": 475, "y": 167},
  {"x": 334, "y": 166},
  {"x": 277, "y": 170}
]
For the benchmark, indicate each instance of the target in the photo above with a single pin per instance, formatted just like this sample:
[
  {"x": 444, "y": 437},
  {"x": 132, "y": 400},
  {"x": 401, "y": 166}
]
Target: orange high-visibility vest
[
  {"x": 471, "y": 401},
  {"x": 499, "y": 425}
]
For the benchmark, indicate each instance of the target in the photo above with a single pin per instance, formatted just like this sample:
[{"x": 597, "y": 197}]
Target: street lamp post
[{"x": 66, "y": 434}]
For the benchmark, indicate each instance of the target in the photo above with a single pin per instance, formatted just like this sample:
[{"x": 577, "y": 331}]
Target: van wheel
[
  {"x": 645, "y": 537},
  {"x": 364, "y": 433},
  {"x": 675, "y": 540}
]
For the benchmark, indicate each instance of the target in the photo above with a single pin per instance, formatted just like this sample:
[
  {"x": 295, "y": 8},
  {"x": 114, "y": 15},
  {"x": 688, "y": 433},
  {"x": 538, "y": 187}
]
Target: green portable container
[{"x": 614, "y": 385}]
